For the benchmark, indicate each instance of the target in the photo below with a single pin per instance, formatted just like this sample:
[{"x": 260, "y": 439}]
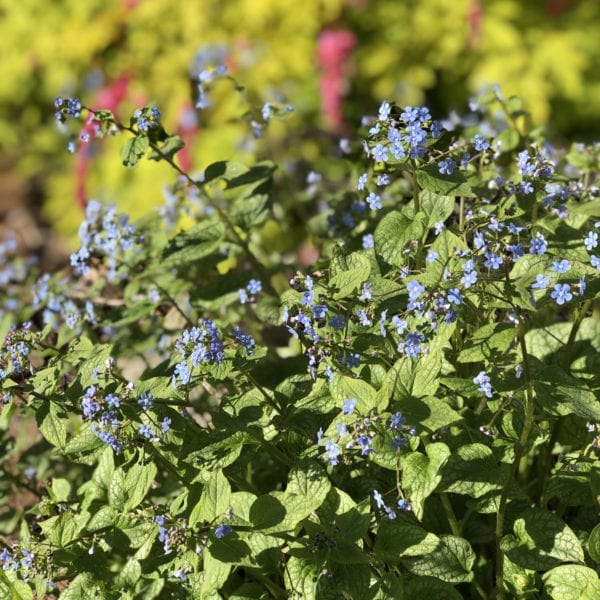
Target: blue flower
[
  {"x": 492, "y": 260},
  {"x": 165, "y": 424},
  {"x": 454, "y": 296},
  {"x": 349, "y": 406},
  {"x": 432, "y": 256},
  {"x": 362, "y": 182},
  {"x": 254, "y": 286},
  {"x": 337, "y": 322},
  {"x": 374, "y": 201},
  {"x": 333, "y": 452},
  {"x": 222, "y": 530},
  {"x": 481, "y": 143},
  {"x": 595, "y": 261},
  {"x": 482, "y": 379},
  {"x": 368, "y": 241},
  {"x": 397, "y": 421},
  {"x": 146, "y": 431},
  {"x": 447, "y": 166},
  {"x": 562, "y": 293},
  {"x": 541, "y": 282},
  {"x": 404, "y": 505},
  {"x": 384, "y": 110},
  {"x": 378, "y": 499},
  {"x": 380, "y": 153},
  {"x": 538, "y": 245},
  {"x": 591, "y": 241},
  {"x": 561, "y": 266},
  {"x": 415, "y": 289}
]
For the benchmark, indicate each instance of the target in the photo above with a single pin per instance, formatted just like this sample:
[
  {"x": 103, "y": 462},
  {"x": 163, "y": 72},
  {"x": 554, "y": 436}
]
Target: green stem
[
  {"x": 519, "y": 452},
  {"x": 566, "y": 358},
  {"x": 452, "y": 520}
]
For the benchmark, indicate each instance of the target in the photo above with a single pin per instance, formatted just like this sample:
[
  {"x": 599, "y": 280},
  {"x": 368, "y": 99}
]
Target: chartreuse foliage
[
  {"x": 121, "y": 51},
  {"x": 192, "y": 415}
]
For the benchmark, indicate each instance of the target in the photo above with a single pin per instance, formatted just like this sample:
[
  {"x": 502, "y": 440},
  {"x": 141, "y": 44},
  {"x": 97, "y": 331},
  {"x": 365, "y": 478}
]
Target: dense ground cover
[{"x": 385, "y": 388}]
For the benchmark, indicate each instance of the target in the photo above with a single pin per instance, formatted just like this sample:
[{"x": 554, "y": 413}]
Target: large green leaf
[
  {"x": 451, "y": 561},
  {"x": 430, "y": 179},
  {"x": 215, "y": 500},
  {"x": 51, "y": 418},
  {"x": 572, "y": 582},
  {"x": 393, "y": 234},
  {"x": 489, "y": 343},
  {"x": 472, "y": 470},
  {"x": 541, "y": 541},
  {"x": 193, "y": 244},
  {"x": 398, "y": 539},
  {"x": 421, "y": 474},
  {"x": 134, "y": 149}
]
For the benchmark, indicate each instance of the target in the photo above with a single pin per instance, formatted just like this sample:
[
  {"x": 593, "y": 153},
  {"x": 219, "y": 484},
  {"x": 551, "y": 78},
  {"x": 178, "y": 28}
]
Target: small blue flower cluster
[
  {"x": 104, "y": 233},
  {"x": 172, "y": 538},
  {"x": 247, "y": 341},
  {"x": 402, "y": 504},
  {"x": 58, "y": 308},
  {"x": 146, "y": 119},
  {"x": 483, "y": 380},
  {"x": 21, "y": 561},
  {"x": 66, "y": 107},
  {"x": 201, "y": 344},
  {"x": 249, "y": 293},
  {"x": 208, "y": 66},
  {"x": 15, "y": 350},
  {"x": 358, "y": 434}
]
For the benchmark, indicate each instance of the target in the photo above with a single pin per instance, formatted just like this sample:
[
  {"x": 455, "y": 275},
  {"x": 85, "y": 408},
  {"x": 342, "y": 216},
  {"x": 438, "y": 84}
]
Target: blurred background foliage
[{"x": 333, "y": 60}]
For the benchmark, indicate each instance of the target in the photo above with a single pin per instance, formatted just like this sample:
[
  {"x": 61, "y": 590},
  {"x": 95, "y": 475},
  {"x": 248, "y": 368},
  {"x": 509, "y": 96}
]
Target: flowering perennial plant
[{"x": 415, "y": 414}]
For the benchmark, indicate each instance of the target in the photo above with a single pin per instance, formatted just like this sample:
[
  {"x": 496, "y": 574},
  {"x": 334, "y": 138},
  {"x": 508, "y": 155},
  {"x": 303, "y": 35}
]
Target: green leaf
[
  {"x": 572, "y": 582},
  {"x": 437, "y": 208},
  {"x": 430, "y": 587},
  {"x": 421, "y": 474},
  {"x": 301, "y": 577},
  {"x": 489, "y": 343},
  {"x": 431, "y": 413},
  {"x": 224, "y": 169},
  {"x": 451, "y": 561},
  {"x": 541, "y": 541},
  {"x": 278, "y": 512},
  {"x": 344, "y": 516},
  {"x": 85, "y": 445},
  {"x": 51, "y": 418},
  {"x": 393, "y": 234},
  {"x": 129, "y": 575},
  {"x": 473, "y": 470},
  {"x": 214, "y": 502},
  {"x": 396, "y": 539},
  {"x": 346, "y": 282},
  {"x": 343, "y": 388},
  {"x": 116, "y": 491},
  {"x": 430, "y": 179},
  {"x": 559, "y": 394},
  {"x": 250, "y": 212},
  {"x": 12, "y": 588},
  {"x": 134, "y": 149},
  {"x": 413, "y": 378},
  {"x": 84, "y": 587},
  {"x": 138, "y": 481},
  {"x": 193, "y": 244},
  {"x": 169, "y": 148},
  {"x": 60, "y": 530},
  {"x": 104, "y": 517},
  {"x": 593, "y": 544},
  {"x": 507, "y": 140}
]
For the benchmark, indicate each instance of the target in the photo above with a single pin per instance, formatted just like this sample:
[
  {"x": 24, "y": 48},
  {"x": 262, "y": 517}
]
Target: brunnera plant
[{"x": 188, "y": 413}]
